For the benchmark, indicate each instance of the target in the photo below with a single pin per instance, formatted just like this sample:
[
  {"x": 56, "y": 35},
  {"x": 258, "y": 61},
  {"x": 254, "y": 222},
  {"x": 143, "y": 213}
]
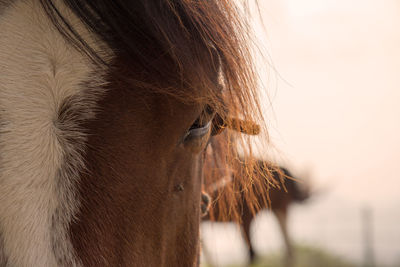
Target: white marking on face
[{"x": 39, "y": 160}]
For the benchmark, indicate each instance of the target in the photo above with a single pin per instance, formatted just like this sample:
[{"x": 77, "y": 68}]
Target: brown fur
[{"x": 141, "y": 211}]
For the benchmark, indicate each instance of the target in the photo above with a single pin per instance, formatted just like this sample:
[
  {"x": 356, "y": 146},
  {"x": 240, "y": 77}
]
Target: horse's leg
[
  {"x": 206, "y": 254},
  {"x": 281, "y": 215},
  {"x": 246, "y": 222}
]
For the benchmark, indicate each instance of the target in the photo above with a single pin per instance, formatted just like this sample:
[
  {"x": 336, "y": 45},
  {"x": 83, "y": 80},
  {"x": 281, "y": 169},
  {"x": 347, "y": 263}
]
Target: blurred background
[{"x": 333, "y": 77}]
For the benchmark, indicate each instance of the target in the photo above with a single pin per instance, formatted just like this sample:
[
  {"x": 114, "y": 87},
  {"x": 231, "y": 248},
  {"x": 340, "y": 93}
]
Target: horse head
[{"x": 106, "y": 108}]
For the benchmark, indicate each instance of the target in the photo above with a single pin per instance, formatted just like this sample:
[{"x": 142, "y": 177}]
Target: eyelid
[{"x": 198, "y": 132}]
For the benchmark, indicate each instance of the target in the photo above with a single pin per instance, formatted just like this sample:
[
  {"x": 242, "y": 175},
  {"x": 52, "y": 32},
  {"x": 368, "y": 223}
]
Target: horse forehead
[{"x": 40, "y": 135}]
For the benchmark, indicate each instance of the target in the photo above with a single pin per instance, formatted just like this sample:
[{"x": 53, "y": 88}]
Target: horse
[
  {"x": 281, "y": 191},
  {"x": 106, "y": 107}
]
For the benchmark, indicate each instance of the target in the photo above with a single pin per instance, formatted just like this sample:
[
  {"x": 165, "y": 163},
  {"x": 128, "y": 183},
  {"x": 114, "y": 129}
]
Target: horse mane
[
  {"x": 198, "y": 39},
  {"x": 236, "y": 180}
]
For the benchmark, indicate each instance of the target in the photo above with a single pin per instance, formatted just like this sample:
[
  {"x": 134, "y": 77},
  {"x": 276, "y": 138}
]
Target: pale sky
[
  {"x": 336, "y": 107},
  {"x": 335, "y": 96}
]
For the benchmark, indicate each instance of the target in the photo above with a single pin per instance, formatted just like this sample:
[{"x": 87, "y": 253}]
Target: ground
[{"x": 306, "y": 256}]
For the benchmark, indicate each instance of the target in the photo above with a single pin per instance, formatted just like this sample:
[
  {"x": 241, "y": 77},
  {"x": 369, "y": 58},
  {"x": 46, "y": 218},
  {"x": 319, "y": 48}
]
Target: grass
[{"x": 305, "y": 256}]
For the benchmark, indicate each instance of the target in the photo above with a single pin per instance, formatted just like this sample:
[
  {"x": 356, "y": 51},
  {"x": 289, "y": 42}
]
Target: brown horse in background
[
  {"x": 280, "y": 198},
  {"x": 281, "y": 191},
  {"x": 106, "y": 107}
]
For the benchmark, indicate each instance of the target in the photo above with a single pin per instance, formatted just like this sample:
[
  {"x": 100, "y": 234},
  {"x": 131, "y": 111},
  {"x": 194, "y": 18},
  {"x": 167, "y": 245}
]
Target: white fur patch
[{"x": 39, "y": 159}]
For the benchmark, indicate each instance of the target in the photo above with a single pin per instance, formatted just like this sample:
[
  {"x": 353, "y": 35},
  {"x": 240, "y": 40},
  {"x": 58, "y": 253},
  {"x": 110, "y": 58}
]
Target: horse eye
[
  {"x": 201, "y": 127},
  {"x": 199, "y": 130},
  {"x": 195, "y": 139}
]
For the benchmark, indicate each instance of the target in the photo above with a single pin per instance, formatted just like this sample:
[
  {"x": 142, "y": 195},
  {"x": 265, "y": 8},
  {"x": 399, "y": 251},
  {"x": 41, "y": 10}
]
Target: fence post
[{"x": 367, "y": 236}]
